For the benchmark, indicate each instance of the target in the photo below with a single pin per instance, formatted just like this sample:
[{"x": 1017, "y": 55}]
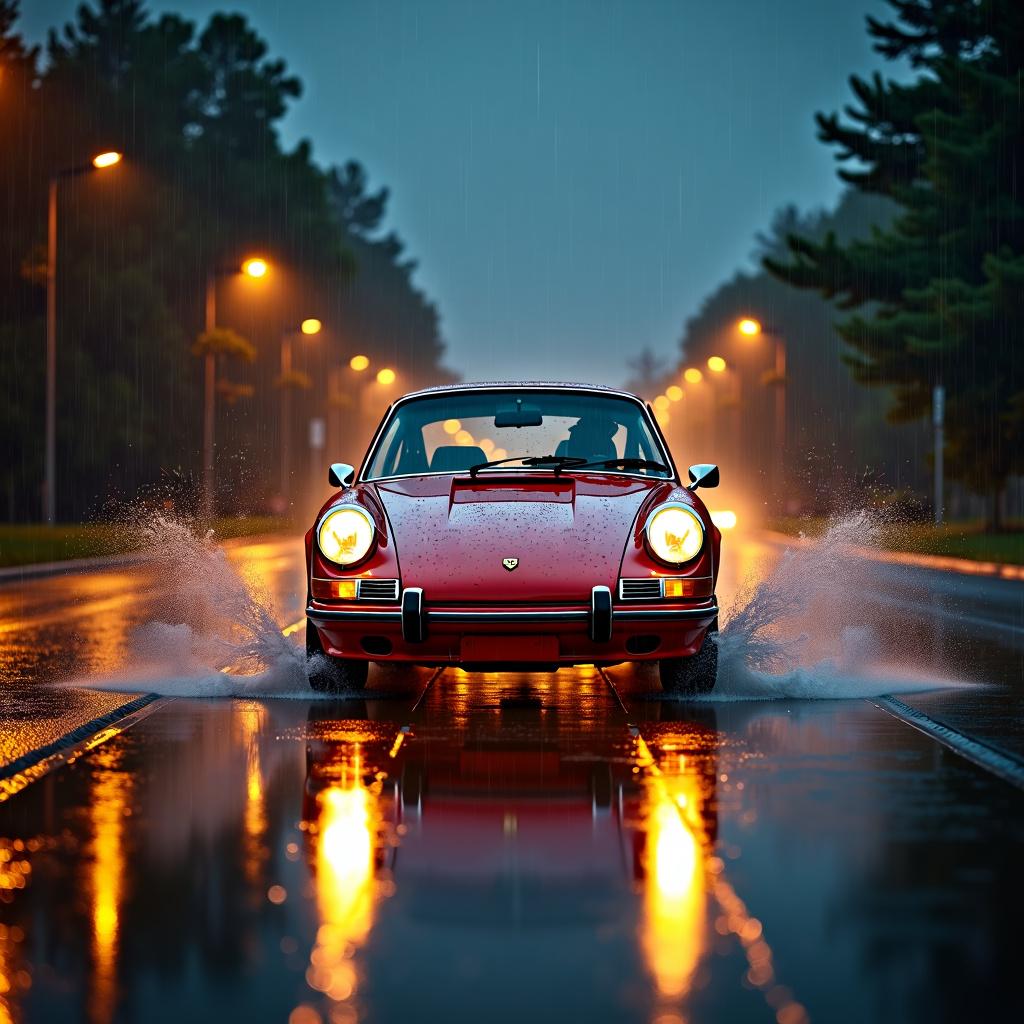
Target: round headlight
[
  {"x": 675, "y": 534},
  {"x": 345, "y": 535}
]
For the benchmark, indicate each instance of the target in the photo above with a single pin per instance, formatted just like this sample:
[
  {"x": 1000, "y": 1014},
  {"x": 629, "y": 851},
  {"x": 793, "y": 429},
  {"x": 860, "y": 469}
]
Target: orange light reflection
[
  {"x": 346, "y": 838},
  {"x": 110, "y": 800}
]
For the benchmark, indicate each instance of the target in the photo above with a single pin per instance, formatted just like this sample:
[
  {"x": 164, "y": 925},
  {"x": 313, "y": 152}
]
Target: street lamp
[
  {"x": 256, "y": 267},
  {"x": 309, "y": 327},
  {"x": 359, "y": 363},
  {"x": 752, "y": 328},
  {"x": 386, "y": 376},
  {"x": 98, "y": 162},
  {"x": 692, "y": 375}
]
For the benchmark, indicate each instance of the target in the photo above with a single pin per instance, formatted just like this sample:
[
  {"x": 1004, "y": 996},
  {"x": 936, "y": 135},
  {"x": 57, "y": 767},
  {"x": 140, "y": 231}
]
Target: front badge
[{"x": 510, "y": 563}]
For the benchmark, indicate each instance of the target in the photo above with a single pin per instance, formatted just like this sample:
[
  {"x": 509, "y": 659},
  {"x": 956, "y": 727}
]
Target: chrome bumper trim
[{"x": 542, "y": 616}]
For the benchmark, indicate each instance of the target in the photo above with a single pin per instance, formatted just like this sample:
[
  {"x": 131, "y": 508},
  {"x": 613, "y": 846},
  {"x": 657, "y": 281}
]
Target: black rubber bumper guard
[{"x": 600, "y": 617}]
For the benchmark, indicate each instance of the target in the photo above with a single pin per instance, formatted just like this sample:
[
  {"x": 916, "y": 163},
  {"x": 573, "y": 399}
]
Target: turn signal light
[
  {"x": 680, "y": 588},
  {"x": 336, "y": 590}
]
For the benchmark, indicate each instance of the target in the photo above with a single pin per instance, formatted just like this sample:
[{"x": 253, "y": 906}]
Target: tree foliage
[
  {"x": 935, "y": 297},
  {"x": 206, "y": 181}
]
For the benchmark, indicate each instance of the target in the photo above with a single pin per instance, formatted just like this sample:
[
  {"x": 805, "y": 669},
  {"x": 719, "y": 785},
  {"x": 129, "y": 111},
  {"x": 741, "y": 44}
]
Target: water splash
[
  {"x": 804, "y": 630},
  {"x": 217, "y": 635}
]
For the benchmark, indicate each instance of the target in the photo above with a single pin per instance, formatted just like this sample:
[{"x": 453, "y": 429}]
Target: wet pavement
[{"x": 505, "y": 847}]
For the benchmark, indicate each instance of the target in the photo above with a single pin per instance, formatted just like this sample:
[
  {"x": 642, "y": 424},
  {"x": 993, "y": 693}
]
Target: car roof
[{"x": 547, "y": 385}]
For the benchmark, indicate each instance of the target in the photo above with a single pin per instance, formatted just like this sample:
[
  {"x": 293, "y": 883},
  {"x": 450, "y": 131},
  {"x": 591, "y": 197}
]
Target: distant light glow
[
  {"x": 386, "y": 376},
  {"x": 311, "y": 326},
  {"x": 452, "y": 427},
  {"x": 499, "y": 453},
  {"x": 693, "y": 375},
  {"x": 359, "y": 363},
  {"x": 464, "y": 437},
  {"x": 486, "y": 444},
  {"x": 102, "y": 160},
  {"x": 749, "y": 327},
  {"x": 716, "y": 364},
  {"x": 662, "y": 417},
  {"x": 673, "y": 392},
  {"x": 724, "y": 519},
  {"x": 255, "y": 267},
  {"x": 661, "y": 403}
]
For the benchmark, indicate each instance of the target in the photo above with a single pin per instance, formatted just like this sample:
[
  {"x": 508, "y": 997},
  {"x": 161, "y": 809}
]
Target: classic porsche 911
[{"x": 514, "y": 526}]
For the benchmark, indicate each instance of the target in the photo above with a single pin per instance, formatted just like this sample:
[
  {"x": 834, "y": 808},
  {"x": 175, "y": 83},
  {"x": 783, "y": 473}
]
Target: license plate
[{"x": 509, "y": 648}]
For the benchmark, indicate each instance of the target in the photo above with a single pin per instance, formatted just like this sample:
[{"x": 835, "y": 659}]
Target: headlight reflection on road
[
  {"x": 346, "y": 838},
  {"x": 675, "y": 904}
]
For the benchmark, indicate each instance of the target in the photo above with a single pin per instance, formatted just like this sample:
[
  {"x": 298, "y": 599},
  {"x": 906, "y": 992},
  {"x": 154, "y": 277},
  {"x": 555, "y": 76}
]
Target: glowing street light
[
  {"x": 255, "y": 266},
  {"x": 309, "y": 327},
  {"x": 716, "y": 364},
  {"x": 693, "y": 375},
  {"x": 661, "y": 403},
  {"x": 673, "y": 392},
  {"x": 753, "y": 328},
  {"x": 452, "y": 427},
  {"x": 359, "y": 363},
  {"x": 386, "y": 376},
  {"x": 99, "y": 162}
]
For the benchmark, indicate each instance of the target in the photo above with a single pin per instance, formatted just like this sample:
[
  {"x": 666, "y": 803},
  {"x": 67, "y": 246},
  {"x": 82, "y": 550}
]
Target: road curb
[
  {"x": 99, "y": 563},
  {"x": 937, "y": 563},
  {"x": 16, "y": 775},
  {"x": 1001, "y": 764},
  {"x": 76, "y": 735}
]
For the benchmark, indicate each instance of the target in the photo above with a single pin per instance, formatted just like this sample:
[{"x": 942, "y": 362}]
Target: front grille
[
  {"x": 640, "y": 590},
  {"x": 377, "y": 590}
]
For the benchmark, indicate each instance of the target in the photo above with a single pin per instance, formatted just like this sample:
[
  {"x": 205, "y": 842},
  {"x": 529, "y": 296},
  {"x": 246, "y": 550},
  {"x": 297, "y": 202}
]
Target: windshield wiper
[
  {"x": 625, "y": 464},
  {"x": 557, "y": 462}
]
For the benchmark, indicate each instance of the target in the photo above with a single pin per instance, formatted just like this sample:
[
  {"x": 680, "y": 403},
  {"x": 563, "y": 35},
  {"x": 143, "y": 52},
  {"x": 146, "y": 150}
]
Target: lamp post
[
  {"x": 255, "y": 267},
  {"x": 751, "y": 328},
  {"x": 99, "y": 162},
  {"x": 309, "y": 327}
]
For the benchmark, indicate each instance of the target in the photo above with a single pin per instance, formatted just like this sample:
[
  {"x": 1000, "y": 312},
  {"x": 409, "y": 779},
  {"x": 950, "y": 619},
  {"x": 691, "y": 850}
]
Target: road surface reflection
[{"x": 502, "y": 847}]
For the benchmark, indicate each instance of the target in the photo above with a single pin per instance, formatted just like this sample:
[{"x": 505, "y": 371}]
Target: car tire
[
  {"x": 695, "y": 675},
  {"x": 328, "y": 674}
]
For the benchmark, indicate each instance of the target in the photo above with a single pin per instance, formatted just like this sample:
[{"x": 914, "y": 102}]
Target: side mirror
[
  {"x": 341, "y": 474},
  {"x": 703, "y": 475}
]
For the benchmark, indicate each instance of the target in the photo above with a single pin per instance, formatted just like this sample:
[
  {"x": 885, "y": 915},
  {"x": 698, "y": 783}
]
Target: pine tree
[{"x": 937, "y": 294}]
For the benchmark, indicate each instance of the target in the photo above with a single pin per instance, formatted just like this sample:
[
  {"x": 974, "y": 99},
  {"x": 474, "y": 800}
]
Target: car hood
[{"x": 566, "y": 533}]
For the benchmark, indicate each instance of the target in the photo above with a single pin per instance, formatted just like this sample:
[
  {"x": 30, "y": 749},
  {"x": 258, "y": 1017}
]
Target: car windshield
[{"x": 453, "y": 432}]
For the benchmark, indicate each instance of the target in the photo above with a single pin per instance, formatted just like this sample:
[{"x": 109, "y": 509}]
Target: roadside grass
[
  {"x": 28, "y": 544},
  {"x": 955, "y": 540}
]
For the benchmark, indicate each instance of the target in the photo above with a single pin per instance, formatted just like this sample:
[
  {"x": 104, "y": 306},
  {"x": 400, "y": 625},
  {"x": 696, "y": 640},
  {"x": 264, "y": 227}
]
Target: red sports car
[{"x": 514, "y": 526}]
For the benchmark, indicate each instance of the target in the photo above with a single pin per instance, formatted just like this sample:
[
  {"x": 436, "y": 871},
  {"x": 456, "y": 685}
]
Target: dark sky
[{"x": 574, "y": 176}]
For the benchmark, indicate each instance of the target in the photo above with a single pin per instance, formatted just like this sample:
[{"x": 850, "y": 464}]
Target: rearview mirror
[
  {"x": 519, "y": 415},
  {"x": 704, "y": 474},
  {"x": 341, "y": 474}
]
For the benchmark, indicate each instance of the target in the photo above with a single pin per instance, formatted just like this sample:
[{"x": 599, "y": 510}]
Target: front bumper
[{"x": 603, "y": 633}]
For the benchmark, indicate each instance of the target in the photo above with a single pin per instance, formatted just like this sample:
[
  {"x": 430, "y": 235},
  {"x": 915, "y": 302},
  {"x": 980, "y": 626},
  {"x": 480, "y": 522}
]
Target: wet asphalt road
[{"x": 503, "y": 847}]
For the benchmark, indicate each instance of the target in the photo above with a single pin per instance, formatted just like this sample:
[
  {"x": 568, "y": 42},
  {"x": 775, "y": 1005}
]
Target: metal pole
[
  {"x": 286, "y": 414},
  {"x": 938, "y": 422},
  {"x": 780, "y": 418},
  {"x": 209, "y": 399},
  {"x": 50, "y": 456}
]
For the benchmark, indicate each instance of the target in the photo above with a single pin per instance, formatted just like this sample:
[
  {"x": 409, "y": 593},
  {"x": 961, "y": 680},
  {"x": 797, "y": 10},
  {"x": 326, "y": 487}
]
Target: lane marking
[
  {"x": 426, "y": 689},
  {"x": 1006, "y": 767},
  {"x": 23, "y": 771}
]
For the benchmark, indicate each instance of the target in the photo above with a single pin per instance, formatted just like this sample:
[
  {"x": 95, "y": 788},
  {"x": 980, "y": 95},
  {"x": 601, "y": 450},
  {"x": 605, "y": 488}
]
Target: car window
[{"x": 452, "y": 432}]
